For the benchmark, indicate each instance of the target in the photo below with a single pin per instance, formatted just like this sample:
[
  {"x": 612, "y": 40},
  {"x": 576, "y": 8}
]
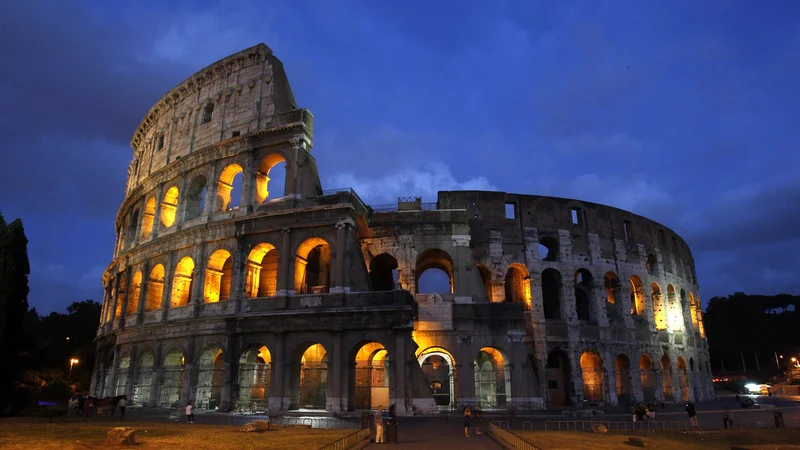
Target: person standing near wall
[{"x": 378, "y": 419}]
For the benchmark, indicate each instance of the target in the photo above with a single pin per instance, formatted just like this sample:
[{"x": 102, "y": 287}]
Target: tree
[{"x": 14, "y": 270}]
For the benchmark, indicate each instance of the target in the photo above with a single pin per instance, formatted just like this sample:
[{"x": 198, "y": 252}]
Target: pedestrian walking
[
  {"x": 189, "y": 413},
  {"x": 727, "y": 417},
  {"x": 467, "y": 421},
  {"x": 123, "y": 402},
  {"x": 379, "y": 432},
  {"x": 692, "y": 413}
]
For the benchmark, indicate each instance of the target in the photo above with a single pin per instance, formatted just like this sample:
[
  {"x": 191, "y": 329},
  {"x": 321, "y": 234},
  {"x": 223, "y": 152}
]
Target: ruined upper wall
[
  {"x": 487, "y": 211},
  {"x": 240, "y": 94}
]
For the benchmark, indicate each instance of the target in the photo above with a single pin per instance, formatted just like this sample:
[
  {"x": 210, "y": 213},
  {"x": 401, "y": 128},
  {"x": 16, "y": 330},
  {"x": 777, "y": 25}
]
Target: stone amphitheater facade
[{"x": 313, "y": 299}]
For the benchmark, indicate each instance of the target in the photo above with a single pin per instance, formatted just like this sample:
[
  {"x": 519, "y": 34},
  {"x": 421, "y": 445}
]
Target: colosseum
[{"x": 235, "y": 294}]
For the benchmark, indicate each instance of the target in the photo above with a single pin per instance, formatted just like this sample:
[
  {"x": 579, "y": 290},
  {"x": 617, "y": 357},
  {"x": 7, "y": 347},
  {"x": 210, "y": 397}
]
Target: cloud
[{"x": 423, "y": 182}]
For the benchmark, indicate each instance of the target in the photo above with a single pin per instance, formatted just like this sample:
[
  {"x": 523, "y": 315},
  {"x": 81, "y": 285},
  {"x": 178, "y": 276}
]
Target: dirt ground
[
  {"x": 569, "y": 440},
  {"x": 28, "y": 434}
]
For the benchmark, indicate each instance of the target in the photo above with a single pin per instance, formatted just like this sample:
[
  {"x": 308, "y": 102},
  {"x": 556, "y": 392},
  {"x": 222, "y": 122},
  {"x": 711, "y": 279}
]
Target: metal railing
[
  {"x": 390, "y": 208},
  {"x": 511, "y": 439},
  {"x": 664, "y": 425},
  {"x": 317, "y": 422},
  {"x": 348, "y": 441}
]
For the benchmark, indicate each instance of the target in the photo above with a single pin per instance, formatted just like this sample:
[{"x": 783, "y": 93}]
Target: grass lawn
[
  {"x": 712, "y": 440},
  {"x": 28, "y": 434}
]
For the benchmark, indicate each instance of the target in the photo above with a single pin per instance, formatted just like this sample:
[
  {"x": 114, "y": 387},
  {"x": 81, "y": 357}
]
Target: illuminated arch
[
  {"x": 135, "y": 290},
  {"x": 659, "y": 309},
  {"x": 518, "y": 285},
  {"x": 593, "y": 377},
  {"x": 683, "y": 379},
  {"x": 255, "y": 367},
  {"x": 155, "y": 288},
  {"x": 370, "y": 386},
  {"x": 182, "y": 282},
  {"x": 492, "y": 378},
  {"x": 144, "y": 378},
  {"x": 309, "y": 378},
  {"x": 172, "y": 379},
  {"x": 486, "y": 279},
  {"x": 638, "y": 305},
  {"x": 312, "y": 273},
  {"x": 218, "y": 277},
  {"x": 195, "y": 197},
  {"x": 261, "y": 277},
  {"x": 622, "y": 374},
  {"x": 169, "y": 207},
  {"x": 647, "y": 376},
  {"x": 438, "y": 367},
  {"x": 148, "y": 217},
  {"x": 225, "y": 186},
  {"x": 262, "y": 177},
  {"x": 666, "y": 379},
  {"x": 210, "y": 379}
]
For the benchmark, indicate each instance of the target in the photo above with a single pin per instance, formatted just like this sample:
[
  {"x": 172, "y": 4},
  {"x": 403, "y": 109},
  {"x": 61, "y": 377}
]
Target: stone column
[
  {"x": 248, "y": 184},
  {"x": 278, "y": 394},
  {"x": 568, "y": 309},
  {"x": 169, "y": 275},
  {"x": 189, "y": 373},
  {"x": 139, "y": 224},
  {"x": 115, "y": 297},
  {"x": 610, "y": 378},
  {"x": 637, "y": 391},
  {"x": 659, "y": 388},
  {"x": 155, "y": 382},
  {"x": 599, "y": 301},
  {"x": 97, "y": 364},
  {"x": 196, "y": 298},
  {"x": 286, "y": 268},
  {"x": 132, "y": 372},
  {"x": 463, "y": 255},
  {"x": 157, "y": 212},
  {"x": 334, "y": 397},
  {"x": 230, "y": 387},
  {"x": 143, "y": 291},
  {"x": 112, "y": 379},
  {"x": 398, "y": 377},
  {"x": 292, "y": 174},
  {"x": 180, "y": 215},
  {"x": 465, "y": 373},
  {"x": 123, "y": 313},
  {"x": 239, "y": 273},
  {"x": 211, "y": 190},
  {"x": 339, "y": 272}
]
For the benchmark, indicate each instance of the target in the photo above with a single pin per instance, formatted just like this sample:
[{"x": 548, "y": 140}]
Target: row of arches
[
  {"x": 655, "y": 382},
  {"x": 228, "y": 194},
  {"x": 170, "y": 384},
  {"x": 312, "y": 275}
]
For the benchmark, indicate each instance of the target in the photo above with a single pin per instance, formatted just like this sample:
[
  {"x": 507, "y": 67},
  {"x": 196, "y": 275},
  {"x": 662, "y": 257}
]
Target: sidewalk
[{"x": 435, "y": 434}]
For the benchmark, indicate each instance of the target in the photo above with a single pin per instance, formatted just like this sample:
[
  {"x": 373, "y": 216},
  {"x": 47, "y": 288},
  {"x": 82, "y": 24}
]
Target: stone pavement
[{"x": 436, "y": 434}]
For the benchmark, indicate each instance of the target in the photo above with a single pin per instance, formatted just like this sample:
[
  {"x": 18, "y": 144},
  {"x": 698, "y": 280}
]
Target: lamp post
[{"x": 72, "y": 362}]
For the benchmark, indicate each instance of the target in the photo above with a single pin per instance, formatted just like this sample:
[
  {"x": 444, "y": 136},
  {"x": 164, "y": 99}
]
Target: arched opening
[
  {"x": 310, "y": 378},
  {"x": 169, "y": 207},
  {"x": 622, "y": 373},
  {"x": 548, "y": 249},
  {"x": 121, "y": 295},
  {"x": 135, "y": 291},
  {"x": 558, "y": 378},
  {"x": 651, "y": 264},
  {"x": 254, "y": 379},
  {"x": 659, "y": 310},
  {"x": 675, "y": 318},
  {"x": 218, "y": 277},
  {"x": 172, "y": 378},
  {"x": 517, "y": 286},
  {"x": 666, "y": 379},
  {"x": 130, "y": 236},
  {"x": 492, "y": 379},
  {"x": 261, "y": 278},
  {"x": 383, "y": 272},
  {"x": 196, "y": 198},
  {"x": 270, "y": 174},
  {"x": 437, "y": 366},
  {"x": 148, "y": 218},
  {"x": 613, "y": 291},
  {"x": 182, "y": 282},
  {"x": 647, "y": 377},
  {"x": 486, "y": 278},
  {"x": 312, "y": 274},
  {"x": 638, "y": 307},
  {"x": 592, "y": 372},
  {"x": 144, "y": 379},
  {"x": 210, "y": 376},
  {"x": 371, "y": 377},
  {"x": 434, "y": 272},
  {"x": 583, "y": 294},
  {"x": 155, "y": 288},
  {"x": 123, "y": 371},
  {"x": 683, "y": 379},
  {"x": 228, "y": 197},
  {"x": 551, "y": 293}
]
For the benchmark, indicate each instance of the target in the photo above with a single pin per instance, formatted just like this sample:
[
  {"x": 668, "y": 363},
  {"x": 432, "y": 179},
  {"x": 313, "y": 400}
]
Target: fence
[
  {"x": 661, "y": 425},
  {"x": 317, "y": 422},
  {"x": 349, "y": 441},
  {"x": 510, "y": 438}
]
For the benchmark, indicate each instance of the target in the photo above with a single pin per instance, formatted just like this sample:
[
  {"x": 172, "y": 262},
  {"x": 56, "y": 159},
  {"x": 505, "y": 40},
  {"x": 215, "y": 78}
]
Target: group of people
[
  {"x": 468, "y": 415},
  {"x": 645, "y": 411},
  {"x": 86, "y": 405}
]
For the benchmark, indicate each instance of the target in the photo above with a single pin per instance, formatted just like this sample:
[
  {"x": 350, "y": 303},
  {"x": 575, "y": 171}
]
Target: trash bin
[
  {"x": 364, "y": 421},
  {"x": 778, "y": 419},
  {"x": 391, "y": 431}
]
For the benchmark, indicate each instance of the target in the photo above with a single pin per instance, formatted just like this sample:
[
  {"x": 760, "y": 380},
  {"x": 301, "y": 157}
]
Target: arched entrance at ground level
[
  {"x": 683, "y": 379},
  {"x": 437, "y": 366},
  {"x": 592, "y": 372},
  {"x": 648, "y": 378},
  {"x": 371, "y": 377},
  {"x": 123, "y": 372},
  {"x": 666, "y": 379},
  {"x": 144, "y": 379},
  {"x": 309, "y": 377},
  {"x": 254, "y": 379},
  {"x": 210, "y": 375},
  {"x": 172, "y": 378},
  {"x": 492, "y": 379},
  {"x": 622, "y": 372},
  {"x": 558, "y": 378}
]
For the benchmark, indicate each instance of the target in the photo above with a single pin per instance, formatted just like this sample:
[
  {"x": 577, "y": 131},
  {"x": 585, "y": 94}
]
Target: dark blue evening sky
[{"x": 683, "y": 111}]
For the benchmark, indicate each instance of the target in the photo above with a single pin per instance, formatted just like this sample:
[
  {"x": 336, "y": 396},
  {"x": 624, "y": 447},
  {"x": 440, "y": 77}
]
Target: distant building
[{"x": 298, "y": 297}]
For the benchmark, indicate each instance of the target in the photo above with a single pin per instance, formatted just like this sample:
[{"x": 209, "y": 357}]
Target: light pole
[{"x": 72, "y": 362}]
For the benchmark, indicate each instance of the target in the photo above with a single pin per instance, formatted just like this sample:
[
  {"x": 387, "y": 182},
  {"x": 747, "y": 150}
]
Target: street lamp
[{"x": 72, "y": 362}]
